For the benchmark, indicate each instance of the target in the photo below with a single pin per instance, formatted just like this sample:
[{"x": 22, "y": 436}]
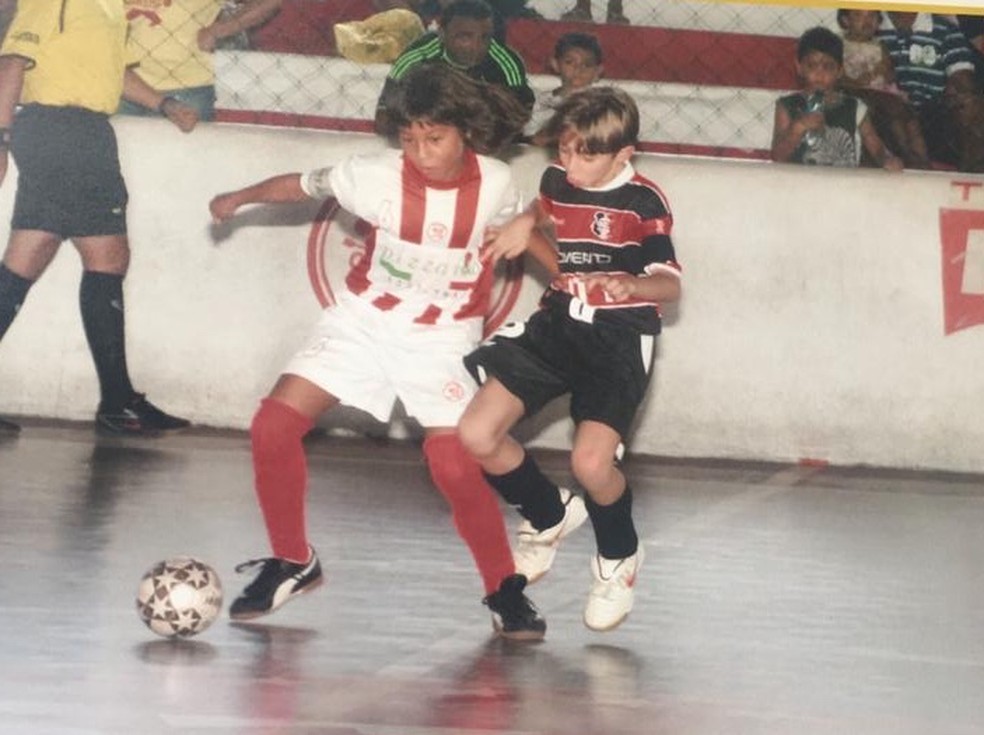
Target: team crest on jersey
[
  {"x": 601, "y": 225},
  {"x": 454, "y": 391},
  {"x": 437, "y": 232}
]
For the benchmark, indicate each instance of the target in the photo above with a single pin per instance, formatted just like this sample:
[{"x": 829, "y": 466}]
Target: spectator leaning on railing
[
  {"x": 464, "y": 41},
  {"x": 934, "y": 66},
  {"x": 173, "y": 43}
]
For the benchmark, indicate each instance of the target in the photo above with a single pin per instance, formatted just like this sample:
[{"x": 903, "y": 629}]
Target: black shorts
[
  {"x": 69, "y": 179},
  {"x": 604, "y": 366}
]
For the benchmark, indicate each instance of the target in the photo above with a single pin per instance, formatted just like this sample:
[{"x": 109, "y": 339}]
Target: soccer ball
[{"x": 179, "y": 597}]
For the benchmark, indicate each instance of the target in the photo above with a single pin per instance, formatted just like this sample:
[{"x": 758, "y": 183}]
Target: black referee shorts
[
  {"x": 604, "y": 366},
  {"x": 69, "y": 179}
]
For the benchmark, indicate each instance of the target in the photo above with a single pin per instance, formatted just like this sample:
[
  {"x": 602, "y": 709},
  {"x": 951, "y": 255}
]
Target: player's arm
[
  {"x": 659, "y": 278},
  {"x": 522, "y": 232},
  {"x": 12, "y": 70},
  {"x": 275, "y": 190},
  {"x": 543, "y": 251},
  {"x": 662, "y": 286},
  {"x": 136, "y": 90}
]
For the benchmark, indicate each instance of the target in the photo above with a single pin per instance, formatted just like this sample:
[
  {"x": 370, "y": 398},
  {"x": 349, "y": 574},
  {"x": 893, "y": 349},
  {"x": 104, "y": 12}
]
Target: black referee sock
[
  {"x": 101, "y": 303},
  {"x": 13, "y": 292},
  {"x": 530, "y": 491},
  {"x": 615, "y": 533}
]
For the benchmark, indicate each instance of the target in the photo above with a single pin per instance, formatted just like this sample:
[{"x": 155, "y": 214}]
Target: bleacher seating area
[{"x": 702, "y": 90}]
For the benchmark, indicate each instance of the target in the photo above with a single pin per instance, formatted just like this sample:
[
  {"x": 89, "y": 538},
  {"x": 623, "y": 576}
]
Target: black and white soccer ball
[{"x": 179, "y": 597}]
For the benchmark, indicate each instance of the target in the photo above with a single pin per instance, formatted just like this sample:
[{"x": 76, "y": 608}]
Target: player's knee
[
  {"x": 276, "y": 426},
  {"x": 591, "y": 467},
  {"x": 476, "y": 437}
]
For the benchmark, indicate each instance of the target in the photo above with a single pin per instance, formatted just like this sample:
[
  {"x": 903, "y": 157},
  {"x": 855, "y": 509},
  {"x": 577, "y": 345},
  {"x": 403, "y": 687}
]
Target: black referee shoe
[{"x": 139, "y": 417}]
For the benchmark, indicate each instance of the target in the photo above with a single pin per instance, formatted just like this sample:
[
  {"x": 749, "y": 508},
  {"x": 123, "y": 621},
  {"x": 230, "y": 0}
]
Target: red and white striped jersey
[{"x": 422, "y": 258}]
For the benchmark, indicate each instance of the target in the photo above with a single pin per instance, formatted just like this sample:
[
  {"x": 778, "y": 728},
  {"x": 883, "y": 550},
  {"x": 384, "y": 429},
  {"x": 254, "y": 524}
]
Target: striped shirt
[
  {"x": 924, "y": 58},
  {"x": 422, "y": 257},
  {"x": 623, "y": 227}
]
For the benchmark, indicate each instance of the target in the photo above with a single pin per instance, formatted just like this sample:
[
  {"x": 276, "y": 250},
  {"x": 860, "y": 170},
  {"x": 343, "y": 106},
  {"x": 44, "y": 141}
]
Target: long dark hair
[{"x": 488, "y": 116}]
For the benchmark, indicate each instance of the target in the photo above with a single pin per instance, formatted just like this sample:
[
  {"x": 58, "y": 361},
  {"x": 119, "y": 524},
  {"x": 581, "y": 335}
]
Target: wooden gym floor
[{"x": 774, "y": 600}]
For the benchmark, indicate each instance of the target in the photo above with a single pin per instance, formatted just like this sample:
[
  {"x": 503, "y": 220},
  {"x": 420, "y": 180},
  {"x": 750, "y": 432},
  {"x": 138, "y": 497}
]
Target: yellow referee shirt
[{"x": 76, "y": 51}]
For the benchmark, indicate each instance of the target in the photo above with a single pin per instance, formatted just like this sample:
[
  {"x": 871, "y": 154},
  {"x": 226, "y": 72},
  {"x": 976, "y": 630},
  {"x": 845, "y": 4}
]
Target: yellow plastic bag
[{"x": 380, "y": 38}]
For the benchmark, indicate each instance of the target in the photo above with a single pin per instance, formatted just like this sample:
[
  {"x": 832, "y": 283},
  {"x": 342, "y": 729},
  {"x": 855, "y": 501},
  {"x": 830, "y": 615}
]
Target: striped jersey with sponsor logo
[
  {"x": 623, "y": 227},
  {"x": 422, "y": 257}
]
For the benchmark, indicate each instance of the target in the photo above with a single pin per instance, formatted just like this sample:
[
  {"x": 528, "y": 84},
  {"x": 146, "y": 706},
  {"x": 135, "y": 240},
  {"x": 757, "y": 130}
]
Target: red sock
[
  {"x": 281, "y": 476},
  {"x": 474, "y": 507}
]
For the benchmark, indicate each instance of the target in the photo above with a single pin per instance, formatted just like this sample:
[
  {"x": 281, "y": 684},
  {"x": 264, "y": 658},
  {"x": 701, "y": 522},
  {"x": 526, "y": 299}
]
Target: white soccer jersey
[{"x": 422, "y": 258}]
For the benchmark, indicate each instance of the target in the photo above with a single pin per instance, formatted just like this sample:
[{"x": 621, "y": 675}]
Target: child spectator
[
  {"x": 934, "y": 66},
  {"x": 414, "y": 306},
  {"x": 820, "y": 125},
  {"x": 592, "y": 338},
  {"x": 577, "y": 60},
  {"x": 870, "y": 76}
]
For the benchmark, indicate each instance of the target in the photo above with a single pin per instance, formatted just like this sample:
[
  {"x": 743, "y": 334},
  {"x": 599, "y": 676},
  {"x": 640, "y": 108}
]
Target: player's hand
[
  {"x": 182, "y": 116},
  {"x": 508, "y": 241},
  {"x": 223, "y": 207},
  {"x": 618, "y": 288}
]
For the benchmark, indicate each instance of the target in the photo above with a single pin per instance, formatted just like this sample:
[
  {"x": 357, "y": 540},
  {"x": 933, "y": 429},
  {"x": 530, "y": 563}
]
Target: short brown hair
[{"x": 606, "y": 119}]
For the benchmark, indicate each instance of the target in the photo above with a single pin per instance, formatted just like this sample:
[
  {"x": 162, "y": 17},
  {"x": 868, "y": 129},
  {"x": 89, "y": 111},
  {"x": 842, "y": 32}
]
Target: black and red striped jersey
[{"x": 623, "y": 227}]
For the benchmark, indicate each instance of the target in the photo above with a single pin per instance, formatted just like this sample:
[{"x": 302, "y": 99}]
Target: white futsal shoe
[
  {"x": 535, "y": 550},
  {"x": 612, "y": 591}
]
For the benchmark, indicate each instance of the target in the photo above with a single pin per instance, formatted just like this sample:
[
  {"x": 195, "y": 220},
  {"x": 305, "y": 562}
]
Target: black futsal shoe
[
  {"x": 8, "y": 428},
  {"x": 139, "y": 417},
  {"x": 278, "y": 581},
  {"x": 513, "y": 615}
]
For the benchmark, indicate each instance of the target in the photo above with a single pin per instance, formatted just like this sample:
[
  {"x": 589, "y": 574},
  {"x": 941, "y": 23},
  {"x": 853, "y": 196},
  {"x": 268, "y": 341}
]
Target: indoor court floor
[{"x": 775, "y": 599}]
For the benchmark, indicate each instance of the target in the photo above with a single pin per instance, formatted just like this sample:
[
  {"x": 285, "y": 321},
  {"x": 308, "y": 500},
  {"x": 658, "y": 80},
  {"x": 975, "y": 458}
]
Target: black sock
[
  {"x": 13, "y": 292},
  {"x": 531, "y": 492},
  {"x": 101, "y": 303},
  {"x": 615, "y": 533}
]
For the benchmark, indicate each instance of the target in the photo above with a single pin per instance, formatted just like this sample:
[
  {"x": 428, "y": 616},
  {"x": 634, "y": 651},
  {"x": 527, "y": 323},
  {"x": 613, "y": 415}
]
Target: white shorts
[{"x": 367, "y": 358}]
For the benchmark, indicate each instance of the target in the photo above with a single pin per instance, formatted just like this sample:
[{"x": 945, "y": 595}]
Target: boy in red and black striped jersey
[{"x": 592, "y": 338}]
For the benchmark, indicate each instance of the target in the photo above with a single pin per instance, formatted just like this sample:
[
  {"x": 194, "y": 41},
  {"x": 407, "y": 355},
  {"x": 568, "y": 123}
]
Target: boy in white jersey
[
  {"x": 413, "y": 308},
  {"x": 592, "y": 338}
]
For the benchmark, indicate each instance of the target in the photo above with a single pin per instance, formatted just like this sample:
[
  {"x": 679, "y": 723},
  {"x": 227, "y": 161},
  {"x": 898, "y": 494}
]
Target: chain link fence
[{"x": 706, "y": 75}]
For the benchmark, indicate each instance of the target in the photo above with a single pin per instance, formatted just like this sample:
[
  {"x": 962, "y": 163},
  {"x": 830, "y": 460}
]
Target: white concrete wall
[{"x": 812, "y": 323}]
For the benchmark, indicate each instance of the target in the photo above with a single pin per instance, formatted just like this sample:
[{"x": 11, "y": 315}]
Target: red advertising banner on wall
[{"x": 962, "y": 249}]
